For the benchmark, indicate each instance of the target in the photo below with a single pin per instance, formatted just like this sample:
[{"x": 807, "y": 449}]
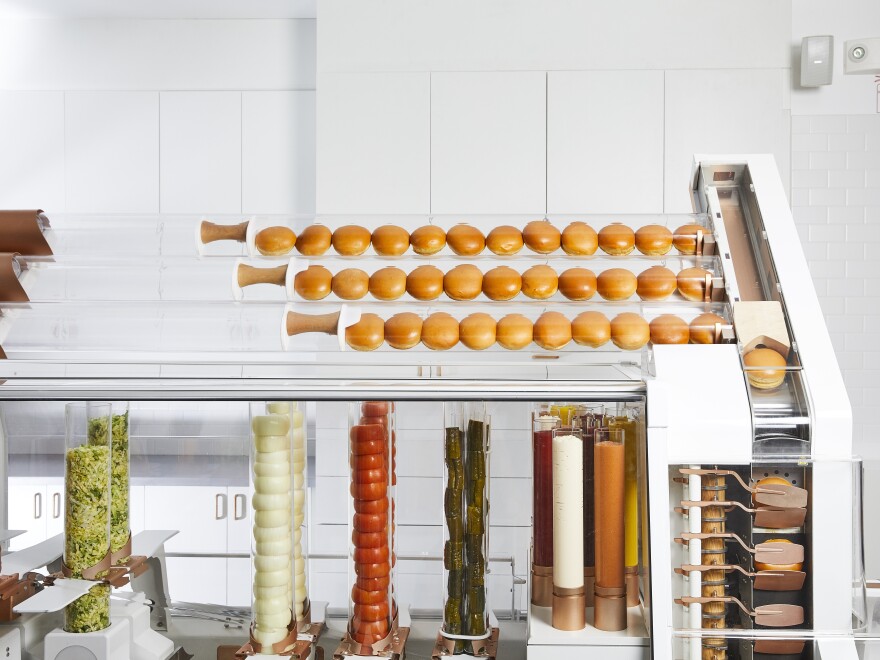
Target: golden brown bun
[
  {"x": 313, "y": 283},
  {"x": 552, "y": 331},
  {"x": 274, "y": 241},
  {"x": 465, "y": 240},
  {"x": 773, "y": 372},
  {"x": 630, "y": 331},
  {"x": 513, "y": 332},
  {"x": 616, "y": 284},
  {"x": 425, "y": 283},
  {"x": 367, "y": 334},
  {"x": 761, "y": 566},
  {"x": 702, "y": 328},
  {"x": 539, "y": 282},
  {"x": 653, "y": 240},
  {"x": 616, "y": 239},
  {"x": 685, "y": 238},
  {"x": 504, "y": 240},
  {"x": 440, "y": 332},
  {"x": 477, "y": 331},
  {"x": 351, "y": 240},
  {"x": 692, "y": 283},
  {"x": 390, "y": 240},
  {"x": 580, "y": 239},
  {"x": 464, "y": 282},
  {"x": 387, "y": 283},
  {"x": 428, "y": 239},
  {"x": 577, "y": 284},
  {"x": 591, "y": 329},
  {"x": 669, "y": 329},
  {"x": 403, "y": 331},
  {"x": 656, "y": 283},
  {"x": 314, "y": 241},
  {"x": 502, "y": 283},
  {"x": 351, "y": 284},
  {"x": 542, "y": 237}
]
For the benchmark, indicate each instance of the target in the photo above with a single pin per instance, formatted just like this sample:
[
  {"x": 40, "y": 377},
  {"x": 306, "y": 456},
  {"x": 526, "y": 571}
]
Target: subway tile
[
  {"x": 815, "y": 251},
  {"x": 844, "y": 250},
  {"x": 822, "y": 269},
  {"x": 863, "y": 160},
  {"x": 838, "y": 215},
  {"x": 800, "y": 124},
  {"x": 872, "y": 178},
  {"x": 827, "y": 197},
  {"x": 809, "y": 179},
  {"x": 843, "y": 287},
  {"x": 860, "y": 268},
  {"x": 809, "y": 142},
  {"x": 872, "y": 142},
  {"x": 847, "y": 142},
  {"x": 832, "y": 305},
  {"x": 872, "y": 215},
  {"x": 800, "y": 160},
  {"x": 863, "y": 124},
  {"x": 828, "y": 124},
  {"x": 828, "y": 160},
  {"x": 800, "y": 197},
  {"x": 869, "y": 233},
  {"x": 824, "y": 233},
  {"x": 810, "y": 214},
  {"x": 862, "y": 341},
  {"x": 846, "y": 179},
  {"x": 863, "y": 196}
]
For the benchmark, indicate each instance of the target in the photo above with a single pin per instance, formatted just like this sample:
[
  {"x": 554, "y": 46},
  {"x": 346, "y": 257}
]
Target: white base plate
[{"x": 547, "y": 643}]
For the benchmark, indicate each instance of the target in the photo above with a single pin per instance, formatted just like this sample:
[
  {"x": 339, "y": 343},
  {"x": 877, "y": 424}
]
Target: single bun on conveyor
[
  {"x": 766, "y": 368},
  {"x": 656, "y": 283},
  {"x": 350, "y": 284},
  {"x": 502, "y": 283},
  {"x": 630, "y": 331},
  {"x": 274, "y": 241},
  {"x": 440, "y": 332},
  {"x": 579, "y": 239},
  {"x": 351, "y": 240},
  {"x": 465, "y": 240},
  {"x": 616, "y": 239},
  {"x": 314, "y": 241},
  {"x": 464, "y": 282},
  {"x": 653, "y": 240},
  {"x": 313, "y": 283},
  {"x": 367, "y": 334},
  {"x": 428, "y": 239},
  {"x": 577, "y": 284},
  {"x": 387, "y": 283},
  {"x": 616, "y": 284},
  {"x": 390, "y": 240},
  {"x": 542, "y": 237},
  {"x": 513, "y": 332},
  {"x": 685, "y": 238},
  {"x": 703, "y": 328},
  {"x": 692, "y": 284},
  {"x": 477, "y": 331},
  {"x": 552, "y": 331},
  {"x": 761, "y": 566},
  {"x": 403, "y": 331},
  {"x": 504, "y": 240},
  {"x": 591, "y": 329},
  {"x": 540, "y": 282},
  {"x": 669, "y": 329},
  {"x": 425, "y": 283}
]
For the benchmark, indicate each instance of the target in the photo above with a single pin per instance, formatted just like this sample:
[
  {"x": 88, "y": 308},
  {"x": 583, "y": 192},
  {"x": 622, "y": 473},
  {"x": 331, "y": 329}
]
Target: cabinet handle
[
  {"x": 219, "y": 506},
  {"x": 38, "y": 506},
  {"x": 56, "y": 505},
  {"x": 240, "y": 513}
]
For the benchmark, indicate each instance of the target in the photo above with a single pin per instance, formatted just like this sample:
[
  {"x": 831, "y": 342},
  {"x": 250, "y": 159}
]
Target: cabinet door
[
  {"x": 197, "y": 579},
  {"x": 136, "y": 509},
  {"x": 27, "y": 511},
  {"x": 199, "y": 513},
  {"x": 54, "y": 513},
  {"x": 240, "y": 520}
]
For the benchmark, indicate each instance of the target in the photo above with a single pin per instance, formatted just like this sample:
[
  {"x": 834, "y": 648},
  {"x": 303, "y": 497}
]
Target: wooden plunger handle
[
  {"x": 298, "y": 324},
  {"x": 211, "y": 232},
  {"x": 248, "y": 275}
]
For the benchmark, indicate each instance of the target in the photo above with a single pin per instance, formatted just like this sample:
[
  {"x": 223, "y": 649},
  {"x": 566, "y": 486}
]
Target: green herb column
[
  {"x": 87, "y": 508},
  {"x": 120, "y": 469}
]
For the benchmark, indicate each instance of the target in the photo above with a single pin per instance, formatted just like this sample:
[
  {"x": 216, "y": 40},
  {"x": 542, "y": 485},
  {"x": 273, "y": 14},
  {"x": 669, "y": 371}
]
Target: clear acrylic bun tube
[{"x": 466, "y": 627}]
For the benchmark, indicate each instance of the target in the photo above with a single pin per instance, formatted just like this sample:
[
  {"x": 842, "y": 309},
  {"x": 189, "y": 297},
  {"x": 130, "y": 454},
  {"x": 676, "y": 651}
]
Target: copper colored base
[
  {"x": 395, "y": 649},
  {"x": 542, "y": 586},
  {"x": 610, "y": 613},
  {"x": 569, "y": 609},
  {"x": 632, "y": 586},
  {"x": 480, "y": 648}
]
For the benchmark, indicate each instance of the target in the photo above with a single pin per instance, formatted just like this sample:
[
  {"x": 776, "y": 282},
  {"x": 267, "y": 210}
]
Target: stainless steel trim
[
  {"x": 56, "y": 505},
  {"x": 38, "y": 506},
  {"x": 239, "y": 497},
  {"x": 218, "y": 498}
]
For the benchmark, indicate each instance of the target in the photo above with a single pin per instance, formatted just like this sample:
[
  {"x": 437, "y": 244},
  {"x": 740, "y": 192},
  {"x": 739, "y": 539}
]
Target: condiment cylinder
[
  {"x": 630, "y": 505},
  {"x": 610, "y": 476},
  {"x": 569, "y": 602},
  {"x": 120, "y": 485},
  {"x": 543, "y": 423}
]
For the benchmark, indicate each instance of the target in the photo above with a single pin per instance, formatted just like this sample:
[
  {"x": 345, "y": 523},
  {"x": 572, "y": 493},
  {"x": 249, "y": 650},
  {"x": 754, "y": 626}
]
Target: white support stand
[
  {"x": 146, "y": 643},
  {"x": 113, "y": 643}
]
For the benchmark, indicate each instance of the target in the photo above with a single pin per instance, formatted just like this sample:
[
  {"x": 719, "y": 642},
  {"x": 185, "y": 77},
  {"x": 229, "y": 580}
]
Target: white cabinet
[
  {"x": 54, "y": 510},
  {"x": 239, "y": 521},
  {"x": 199, "y": 513},
  {"x": 27, "y": 511},
  {"x": 197, "y": 580},
  {"x": 238, "y": 582}
]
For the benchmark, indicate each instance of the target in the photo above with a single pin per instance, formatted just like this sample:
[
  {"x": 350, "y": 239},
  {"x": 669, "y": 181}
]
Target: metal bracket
[{"x": 479, "y": 648}]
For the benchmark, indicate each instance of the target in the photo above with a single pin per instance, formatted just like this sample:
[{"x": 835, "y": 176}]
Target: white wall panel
[
  {"x": 605, "y": 142},
  {"x": 488, "y": 142},
  {"x": 157, "y": 54},
  {"x": 32, "y": 150},
  {"x": 112, "y": 152},
  {"x": 723, "y": 112},
  {"x": 200, "y": 153},
  {"x": 278, "y": 152},
  {"x": 373, "y": 133}
]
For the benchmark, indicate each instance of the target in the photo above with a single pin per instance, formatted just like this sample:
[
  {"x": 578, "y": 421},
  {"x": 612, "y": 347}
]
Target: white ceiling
[{"x": 158, "y": 8}]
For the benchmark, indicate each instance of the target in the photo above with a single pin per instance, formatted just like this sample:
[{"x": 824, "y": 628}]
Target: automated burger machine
[{"x": 692, "y": 490}]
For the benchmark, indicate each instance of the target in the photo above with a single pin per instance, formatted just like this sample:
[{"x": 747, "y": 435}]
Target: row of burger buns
[
  {"x": 467, "y": 282},
  {"x": 539, "y": 236}
]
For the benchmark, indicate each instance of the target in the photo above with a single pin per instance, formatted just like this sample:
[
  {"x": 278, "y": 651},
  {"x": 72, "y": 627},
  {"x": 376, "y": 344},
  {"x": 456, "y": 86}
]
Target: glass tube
[
  {"x": 120, "y": 483},
  {"x": 569, "y": 601},
  {"x": 625, "y": 420},
  {"x": 372, "y": 609},
  {"x": 543, "y": 423},
  {"x": 610, "y": 471},
  {"x": 87, "y": 505},
  {"x": 589, "y": 418}
]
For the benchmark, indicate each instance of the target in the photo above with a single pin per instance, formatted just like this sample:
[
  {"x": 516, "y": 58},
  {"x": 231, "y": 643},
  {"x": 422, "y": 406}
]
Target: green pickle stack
[{"x": 464, "y": 554}]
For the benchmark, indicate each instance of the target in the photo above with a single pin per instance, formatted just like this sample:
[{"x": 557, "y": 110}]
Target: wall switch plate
[
  {"x": 817, "y": 61},
  {"x": 862, "y": 56}
]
